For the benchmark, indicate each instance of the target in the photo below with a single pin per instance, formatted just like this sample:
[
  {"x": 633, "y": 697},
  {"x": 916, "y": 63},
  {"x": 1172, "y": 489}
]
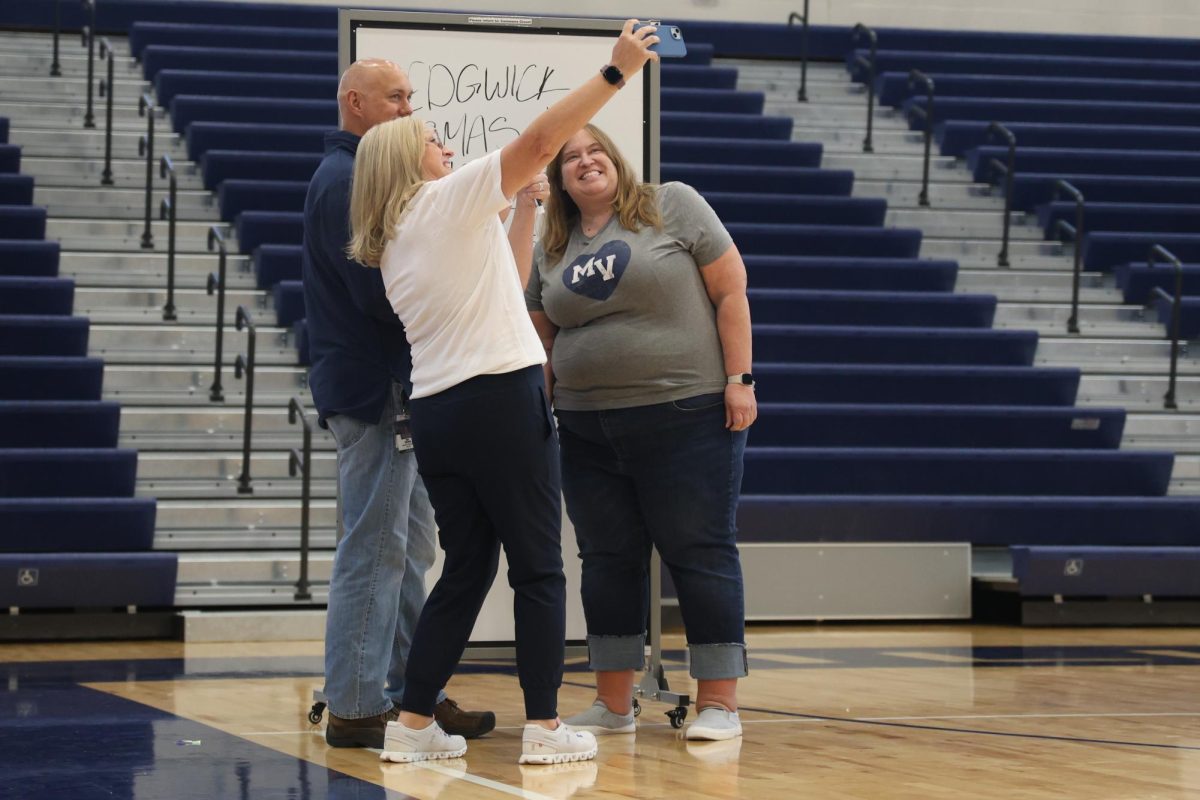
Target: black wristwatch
[
  {"x": 741, "y": 379},
  {"x": 613, "y": 75}
]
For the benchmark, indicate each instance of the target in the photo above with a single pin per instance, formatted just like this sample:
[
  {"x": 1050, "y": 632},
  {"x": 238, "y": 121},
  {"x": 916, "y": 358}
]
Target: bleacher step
[
  {"x": 212, "y": 427},
  {"x": 211, "y": 465},
  {"x": 119, "y": 305},
  {"x": 1138, "y": 392},
  {"x": 127, "y": 172},
  {"x": 40, "y": 143}
]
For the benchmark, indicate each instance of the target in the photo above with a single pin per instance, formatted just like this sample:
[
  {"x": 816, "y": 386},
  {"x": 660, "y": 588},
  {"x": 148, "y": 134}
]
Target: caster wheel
[
  {"x": 637, "y": 708},
  {"x": 316, "y": 713},
  {"x": 677, "y": 716}
]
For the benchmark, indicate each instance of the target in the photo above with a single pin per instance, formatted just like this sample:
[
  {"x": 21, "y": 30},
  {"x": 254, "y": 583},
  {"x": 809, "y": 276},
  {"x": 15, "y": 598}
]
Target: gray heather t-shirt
[{"x": 635, "y": 323}]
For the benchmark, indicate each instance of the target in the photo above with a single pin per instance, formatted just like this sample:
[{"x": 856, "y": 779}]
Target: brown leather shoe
[
  {"x": 467, "y": 724},
  {"x": 363, "y": 732}
]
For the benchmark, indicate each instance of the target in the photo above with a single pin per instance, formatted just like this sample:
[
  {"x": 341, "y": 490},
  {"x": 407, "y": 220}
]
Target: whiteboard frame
[{"x": 351, "y": 19}]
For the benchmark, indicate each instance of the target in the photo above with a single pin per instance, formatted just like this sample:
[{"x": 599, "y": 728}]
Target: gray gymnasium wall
[{"x": 1119, "y": 17}]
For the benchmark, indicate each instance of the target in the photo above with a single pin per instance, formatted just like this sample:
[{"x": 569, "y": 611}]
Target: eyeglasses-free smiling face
[
  {"x": 588, "y": 173},
  {"x": 436, "y": 161}
]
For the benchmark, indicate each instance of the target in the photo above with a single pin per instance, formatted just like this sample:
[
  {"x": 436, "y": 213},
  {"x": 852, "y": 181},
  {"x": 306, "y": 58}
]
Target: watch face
[{"x": 612, "y": 75}]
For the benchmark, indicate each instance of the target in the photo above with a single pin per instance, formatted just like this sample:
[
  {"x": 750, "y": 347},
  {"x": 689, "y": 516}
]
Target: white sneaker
[
  {"x": 599, "y": 721},
  {"x": 714, "y": 724},
  {"x": 404, "y": 745},
  {"x": 563, "y": 744}
]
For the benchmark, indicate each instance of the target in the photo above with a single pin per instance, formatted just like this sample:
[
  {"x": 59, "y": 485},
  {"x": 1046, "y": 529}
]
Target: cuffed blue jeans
[
  {"x": 668, "y": 476},
  {"x": 377, "y": 587},
  {"x": 489, "y": 456}
]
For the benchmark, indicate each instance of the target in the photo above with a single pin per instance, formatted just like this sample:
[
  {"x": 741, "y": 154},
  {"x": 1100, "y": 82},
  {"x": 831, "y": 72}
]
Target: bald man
[{"x": 359, "y": 378}]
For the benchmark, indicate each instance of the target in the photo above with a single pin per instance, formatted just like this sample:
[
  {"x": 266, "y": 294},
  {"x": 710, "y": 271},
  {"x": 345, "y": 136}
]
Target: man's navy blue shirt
[{"x": 356, "y": 342}]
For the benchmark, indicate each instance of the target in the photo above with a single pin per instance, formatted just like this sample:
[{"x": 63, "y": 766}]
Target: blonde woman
[
  {"x": 639, "y": 296},
  {"x": 484, "y": 438}
]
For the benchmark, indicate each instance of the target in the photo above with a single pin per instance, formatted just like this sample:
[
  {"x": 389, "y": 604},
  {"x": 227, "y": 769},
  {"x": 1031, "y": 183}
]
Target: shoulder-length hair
[
  {"x": 635, "y": 204},
  {"x": 387, "y": 174}
]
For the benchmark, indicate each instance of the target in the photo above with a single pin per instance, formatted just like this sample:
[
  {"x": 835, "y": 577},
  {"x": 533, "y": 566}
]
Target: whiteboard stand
[{"x": 654, "y": 682}]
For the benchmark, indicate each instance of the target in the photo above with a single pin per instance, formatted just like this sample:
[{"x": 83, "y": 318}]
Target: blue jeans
[
  {"x": 377, "y": 587},
  {"x": 667, "y": 475}
]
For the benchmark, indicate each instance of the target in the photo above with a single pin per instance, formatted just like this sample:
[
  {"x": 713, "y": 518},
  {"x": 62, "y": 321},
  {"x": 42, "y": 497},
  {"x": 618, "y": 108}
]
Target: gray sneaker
[
  {"x": 599, "y": 721},
  {"x": 714, "y": 724}
]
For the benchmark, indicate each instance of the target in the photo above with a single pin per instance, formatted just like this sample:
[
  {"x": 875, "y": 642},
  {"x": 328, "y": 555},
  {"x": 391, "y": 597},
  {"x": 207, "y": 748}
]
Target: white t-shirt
[{"x": 451, "y": 278}]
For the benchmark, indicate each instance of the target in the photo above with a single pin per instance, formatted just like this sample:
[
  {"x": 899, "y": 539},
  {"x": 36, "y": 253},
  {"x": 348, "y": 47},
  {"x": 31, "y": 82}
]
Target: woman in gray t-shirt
[{"x": 639, "y": 297}]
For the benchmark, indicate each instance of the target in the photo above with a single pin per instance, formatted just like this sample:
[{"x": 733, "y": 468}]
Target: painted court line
[{"x": 484, "y": 782}]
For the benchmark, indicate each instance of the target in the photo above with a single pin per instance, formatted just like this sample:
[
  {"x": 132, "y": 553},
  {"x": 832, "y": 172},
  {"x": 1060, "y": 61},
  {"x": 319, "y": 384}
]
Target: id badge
[{"x": 402, "y": 426}]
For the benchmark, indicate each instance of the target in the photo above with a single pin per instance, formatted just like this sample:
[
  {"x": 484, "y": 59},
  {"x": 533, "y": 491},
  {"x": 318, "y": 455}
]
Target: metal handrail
[
  {"x": 915, "y": 77},
  {"x": 863, "y": 30},
  {"x": 168, "y": 210},
  {"x": 106, "y": 91},
  {"x": 146, "y": 148},
  {"x": 89, "y": 41},
  {"x": 802, "y": 94},
  {"x": 1075, "y": 232},
  {"x": 216, "y": 283},
  {"x": 1011, "y": 139},
  {"x": 302, "y": 461},
  {"x": 245, "y": 365},
  {"x": 55, "y": 67},
  {"x": 1158, "y": 252}
]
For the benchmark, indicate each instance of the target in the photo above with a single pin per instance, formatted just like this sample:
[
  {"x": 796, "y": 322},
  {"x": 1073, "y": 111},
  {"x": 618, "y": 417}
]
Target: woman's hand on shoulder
[{"x": 741, "y": 407}]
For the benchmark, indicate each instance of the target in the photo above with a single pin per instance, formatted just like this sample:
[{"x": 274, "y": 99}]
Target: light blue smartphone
[{"x": 671, "y": 44}]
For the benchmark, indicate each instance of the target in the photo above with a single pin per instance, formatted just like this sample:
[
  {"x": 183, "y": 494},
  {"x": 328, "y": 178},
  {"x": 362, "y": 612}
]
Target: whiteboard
[{"x": 480, "y": 80}]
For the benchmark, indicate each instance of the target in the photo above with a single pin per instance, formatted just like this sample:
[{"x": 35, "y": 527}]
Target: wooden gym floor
[{"x": 926, "y": 711}]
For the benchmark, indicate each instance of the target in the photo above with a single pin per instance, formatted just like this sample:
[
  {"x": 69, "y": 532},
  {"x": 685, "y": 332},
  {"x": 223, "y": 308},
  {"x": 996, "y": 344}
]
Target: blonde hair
[
  {"x": 635, "y": 204},
  {"x": 387, "y": 174}
]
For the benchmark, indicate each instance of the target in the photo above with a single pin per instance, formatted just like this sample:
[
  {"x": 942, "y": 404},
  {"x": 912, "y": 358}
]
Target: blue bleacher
[
  {"x": 1122, "y": 217},
  {"x": 169, "y": 83},
  {"x": 71, "y": 472},
  {"x": 1107, "y": 571},
  {"x": 76, "y": 524},
  {"x": 143, "y": 34},
  {"x": 43, "y": 335},
  {"x": 703, "y": 149},
  {"x": 44, "y": 378},
  {"x": 16, "y": 190},
  {"x": 877, "y": 344},
  {"x": 955, "y": 471},
  {"x": 22, "y": 222},
  {"x": 956, "y": 137},
  {"x": 235, "y": 195},
  {"x": 730, "y": 101},
  {"x": 991, "y": 520},
  {"x": 221, "y": 165},
  {"x": 697, "y": 76},
  {"x": 1081, "y": 66},
  {"x": 291, "y": 62},
  {"x": 915, "y": 383},
  {"x": 858, "y": 307},
  {"x": 937, "y": 426},
  {"x": 32, "y": 295},
  {"x": 725, "y": 126},
  {"x": 867, "y": 274},
  {"x": 1137, "y": 279},
  {"x": 893, "y": 89},
  {"x": 777, "y": 180},
  {"x": 1104, "y": 250},
  {"x": 203, "y": 136},
  {"x": 88, "y": 424},
  {"x": 1167, "y": 163},
  {"x": 798, "y": 209},
  {"x": 1031, "y": 190},
  {"x": 112, "y": 580},
  {"x": 186, "y": 109},
  {"x": 1189, "y": 313},
  {"x": 10, "y": 159},
  {"x": 1009, "y": 110},
  {"x": 256, "y": 228},
  {"x": 825, "y": 240},
  {"x": 289, "y": 303},
  {"x": 275, "y": 262},
  {"x": 29, "y": 258}
]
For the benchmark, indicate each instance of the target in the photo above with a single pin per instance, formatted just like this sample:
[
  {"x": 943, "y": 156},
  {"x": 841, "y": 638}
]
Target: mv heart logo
[{"x": 596, "y": 275}]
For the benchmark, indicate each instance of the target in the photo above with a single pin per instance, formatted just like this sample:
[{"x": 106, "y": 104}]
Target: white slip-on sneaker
[
  {"x": 563, "y": 744},
  {"x": 599, "y": 721},
  {"x": 714, "y": 724},
  {"x": 404, "y": 745}
]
